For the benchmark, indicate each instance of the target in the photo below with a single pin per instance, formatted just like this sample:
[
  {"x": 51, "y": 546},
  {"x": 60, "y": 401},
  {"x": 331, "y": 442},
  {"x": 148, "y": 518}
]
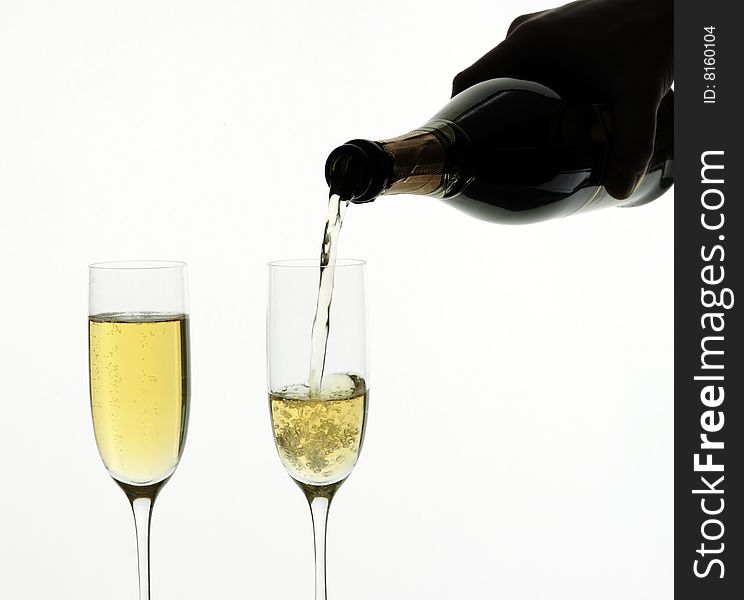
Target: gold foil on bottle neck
[{"x": 419, "y": 160}]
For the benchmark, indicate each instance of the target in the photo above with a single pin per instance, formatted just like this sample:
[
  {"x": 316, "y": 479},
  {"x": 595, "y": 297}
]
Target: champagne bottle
[{"x": 504, "y": 150}]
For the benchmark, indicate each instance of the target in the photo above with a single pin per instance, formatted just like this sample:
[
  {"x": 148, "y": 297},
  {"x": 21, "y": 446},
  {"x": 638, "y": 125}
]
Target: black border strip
[{"x": 708, "y": 271}]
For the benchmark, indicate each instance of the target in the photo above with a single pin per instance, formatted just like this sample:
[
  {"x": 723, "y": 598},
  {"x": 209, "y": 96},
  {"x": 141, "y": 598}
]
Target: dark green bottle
[{"x": 504, "y": 150}]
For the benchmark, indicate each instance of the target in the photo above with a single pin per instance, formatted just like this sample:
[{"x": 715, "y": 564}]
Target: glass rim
[
  {"x": 314, "y": 263},
  {"x": 138, "y": 264}
]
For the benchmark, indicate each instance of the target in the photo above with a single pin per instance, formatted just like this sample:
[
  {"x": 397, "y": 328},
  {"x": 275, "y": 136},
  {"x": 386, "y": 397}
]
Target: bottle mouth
[{"x": 358, "y": 171}]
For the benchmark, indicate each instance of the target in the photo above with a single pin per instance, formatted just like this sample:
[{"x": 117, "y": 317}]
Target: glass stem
[
  {"x": 319, "y": 508},
  {"x": 142, "y": 499},
  {"x": 142, "y": 509}
]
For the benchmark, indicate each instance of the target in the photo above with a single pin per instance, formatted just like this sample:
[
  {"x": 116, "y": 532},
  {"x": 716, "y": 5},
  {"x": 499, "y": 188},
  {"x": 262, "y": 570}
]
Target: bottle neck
[
  {"x": 418, "y": 163},
  {"x": 414, "y": 163}
]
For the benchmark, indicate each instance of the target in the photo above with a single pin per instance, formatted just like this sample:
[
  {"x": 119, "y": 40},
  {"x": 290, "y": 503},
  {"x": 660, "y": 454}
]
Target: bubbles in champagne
[
  {"x": 139, "y": 393},
  {"x": 319, "y": 437}
]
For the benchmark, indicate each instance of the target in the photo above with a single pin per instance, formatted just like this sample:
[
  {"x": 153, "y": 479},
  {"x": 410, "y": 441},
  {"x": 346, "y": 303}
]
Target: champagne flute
[
  {"x": 318, "y": 430},
  {"x": 139, "y": 381}
]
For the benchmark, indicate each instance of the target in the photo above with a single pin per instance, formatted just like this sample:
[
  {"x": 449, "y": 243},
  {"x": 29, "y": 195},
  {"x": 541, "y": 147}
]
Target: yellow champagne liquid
[
  {"x": 319, "y": 439},
  {"x": 139, "y": 393}
]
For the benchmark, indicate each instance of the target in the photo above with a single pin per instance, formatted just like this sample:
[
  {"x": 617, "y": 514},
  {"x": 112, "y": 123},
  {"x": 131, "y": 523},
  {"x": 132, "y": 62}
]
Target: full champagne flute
[
  {"x": 139, "y": 381},
  {"x": 318, "y": 426}
]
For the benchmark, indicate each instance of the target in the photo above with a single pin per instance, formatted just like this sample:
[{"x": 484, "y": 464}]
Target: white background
[{"x": 519, "y": 443}]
